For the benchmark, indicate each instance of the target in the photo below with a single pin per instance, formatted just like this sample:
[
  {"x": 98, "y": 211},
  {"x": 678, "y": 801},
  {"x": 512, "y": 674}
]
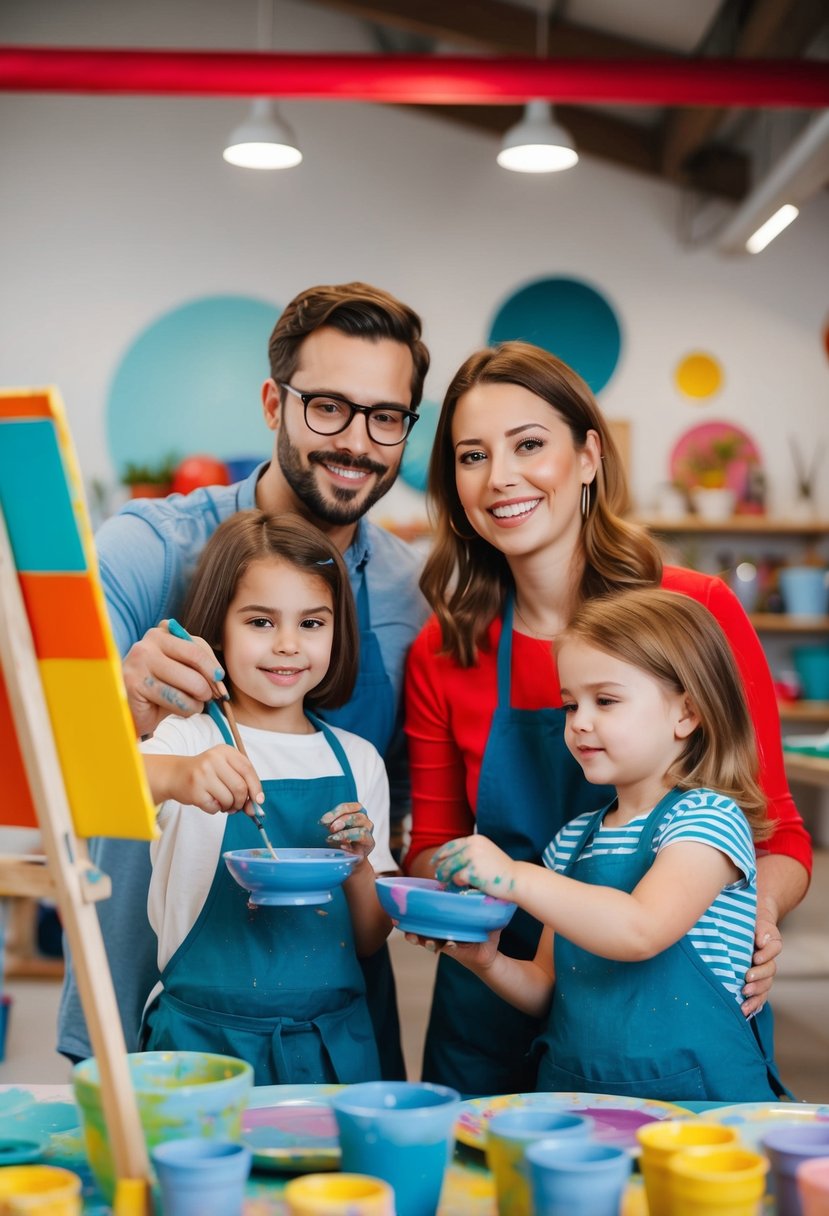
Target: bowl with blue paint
[
  {"x": 179, "y": 1094},
  {"x": 295, "y": 877},
  {"x": 428, "y": 908}
]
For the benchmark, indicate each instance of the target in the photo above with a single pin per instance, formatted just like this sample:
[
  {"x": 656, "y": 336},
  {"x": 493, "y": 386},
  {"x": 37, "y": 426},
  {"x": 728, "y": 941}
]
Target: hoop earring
[
  {"x": 460, "y": 535},
  {"x": 585, "y": 499}
]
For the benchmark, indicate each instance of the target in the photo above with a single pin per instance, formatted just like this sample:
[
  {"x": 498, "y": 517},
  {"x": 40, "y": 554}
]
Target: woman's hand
[
  {"x": 349, "y": 828},
  {"x": 760, "y": 977},
  {"x": 220, "y": 779},
  {"x": 477, "y": 956},
  {"x": 474, "y": 861}
]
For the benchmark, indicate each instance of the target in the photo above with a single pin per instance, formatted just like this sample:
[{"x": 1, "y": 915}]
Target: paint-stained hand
[
  {"x": 474, "y": 861},
  {"x": 220, "y": 779},
  {"x": 168, "y": 675},
  {"x": 349, "y": 828}
]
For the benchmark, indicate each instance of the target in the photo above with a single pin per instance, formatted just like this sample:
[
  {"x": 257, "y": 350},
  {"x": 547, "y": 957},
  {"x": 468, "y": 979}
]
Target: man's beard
[{"x": 345, "y": 509}]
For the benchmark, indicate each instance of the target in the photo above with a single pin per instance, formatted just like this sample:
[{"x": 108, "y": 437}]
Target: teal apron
[
  {"x": 372, "y": 713},
  {"x": 280, "y": 987},
  {"x": 664, "y": 1029},
  {"x": 529, "y": 786}
]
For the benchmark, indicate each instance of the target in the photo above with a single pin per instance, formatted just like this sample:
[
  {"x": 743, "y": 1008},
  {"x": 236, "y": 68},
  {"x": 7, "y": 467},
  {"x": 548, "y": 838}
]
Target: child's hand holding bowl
[{"x": 474, "y": 861}]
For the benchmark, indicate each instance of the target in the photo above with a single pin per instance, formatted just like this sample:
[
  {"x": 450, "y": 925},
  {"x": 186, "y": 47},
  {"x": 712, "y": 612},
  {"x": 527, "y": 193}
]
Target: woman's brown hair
[
  {"x": 465, "y": 579},
  {"x": 678, "y": 642},
  {"x": 253, "y": 536}
]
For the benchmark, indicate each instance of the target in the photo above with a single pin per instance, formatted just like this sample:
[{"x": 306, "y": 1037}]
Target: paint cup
[
  {"x": 788, "y": 1146},
  {"x": 401, "y": 1132},
  {"x": 577, "y": 1176},
  {"x": 813, "y": 1186},
  {"x": 508, "y": 1134},
  {"x": 728, "y": 1181},
  {"x": 201, "y": 1177},
  {"x": 338, "y": 1195},
  {"x": 812, "y": 666},
  {"x": 805, "y": 590},
  {"x": 659, "y": 1142},
  {"x": 39, "y": 1190}
]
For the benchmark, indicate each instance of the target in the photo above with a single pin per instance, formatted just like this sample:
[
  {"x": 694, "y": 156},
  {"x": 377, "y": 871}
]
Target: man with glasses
[{"x": 347, "y": 368}]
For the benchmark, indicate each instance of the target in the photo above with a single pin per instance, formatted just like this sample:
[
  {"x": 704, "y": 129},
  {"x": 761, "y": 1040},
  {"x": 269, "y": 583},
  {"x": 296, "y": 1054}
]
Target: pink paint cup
[{"x": 813, "y": 1186}]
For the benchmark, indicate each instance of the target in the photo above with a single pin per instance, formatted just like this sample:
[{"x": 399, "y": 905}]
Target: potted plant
[
  {"x": 707, "y": 474},
  {"x": 149, "y": 480}
]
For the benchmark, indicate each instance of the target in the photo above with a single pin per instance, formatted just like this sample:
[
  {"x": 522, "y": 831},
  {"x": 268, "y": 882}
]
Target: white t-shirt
[{"x": 187, "y": 853}]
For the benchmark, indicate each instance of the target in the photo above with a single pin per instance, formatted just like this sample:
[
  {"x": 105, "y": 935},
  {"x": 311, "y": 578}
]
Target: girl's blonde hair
[
  {"x": 465, "y": 579},
  {"x": 678, "y": 642},
  {"x": 253, "y": 536}
]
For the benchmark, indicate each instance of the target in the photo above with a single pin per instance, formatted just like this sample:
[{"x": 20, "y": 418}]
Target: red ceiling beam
[{"x": 417, "y": 80}]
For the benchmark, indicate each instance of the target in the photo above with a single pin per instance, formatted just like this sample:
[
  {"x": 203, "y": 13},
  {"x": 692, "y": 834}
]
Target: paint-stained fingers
[{"x": 167, "y": 675}]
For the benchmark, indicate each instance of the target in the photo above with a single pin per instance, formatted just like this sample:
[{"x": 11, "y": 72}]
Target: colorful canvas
[{"x": 42, "y": 501}]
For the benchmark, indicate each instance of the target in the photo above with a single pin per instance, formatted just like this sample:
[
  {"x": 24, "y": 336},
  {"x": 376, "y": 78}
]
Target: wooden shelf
[
  {"x": 784, "y": 622},
  {"x": 754, "y": 524},
  {"x": 804, "y": 711}
]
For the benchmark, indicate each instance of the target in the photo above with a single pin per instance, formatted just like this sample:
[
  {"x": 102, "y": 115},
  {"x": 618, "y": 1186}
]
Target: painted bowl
[
  {"x": 298, "y": 876},
  {"x": 426, "y": 907},
  {"x": 179, "y": 1094}
]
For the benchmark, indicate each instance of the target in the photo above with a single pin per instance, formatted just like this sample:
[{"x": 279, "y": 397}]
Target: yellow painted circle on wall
[{"x": 698, "y": 375}]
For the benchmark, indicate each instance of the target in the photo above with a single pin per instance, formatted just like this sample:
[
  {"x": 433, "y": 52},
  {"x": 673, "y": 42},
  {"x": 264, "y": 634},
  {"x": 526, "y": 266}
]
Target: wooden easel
[{"x": 67, "y": 747}]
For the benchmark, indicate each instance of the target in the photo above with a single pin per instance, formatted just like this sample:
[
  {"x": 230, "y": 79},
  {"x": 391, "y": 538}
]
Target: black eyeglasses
[{"x": 327, "y": 414}]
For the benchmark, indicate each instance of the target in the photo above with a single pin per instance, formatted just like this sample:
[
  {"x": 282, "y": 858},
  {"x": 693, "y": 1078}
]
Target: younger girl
[
  {"x": 280, "y": 987},
  {"x": 648, "y": 904}
]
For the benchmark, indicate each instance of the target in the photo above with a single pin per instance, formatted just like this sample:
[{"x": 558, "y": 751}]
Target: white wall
[{"x": 115, "y": 210}]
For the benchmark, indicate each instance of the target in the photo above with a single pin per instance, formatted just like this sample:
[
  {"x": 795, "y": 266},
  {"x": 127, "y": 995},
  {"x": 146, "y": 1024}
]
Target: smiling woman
[{"x": 528, "y": 493}]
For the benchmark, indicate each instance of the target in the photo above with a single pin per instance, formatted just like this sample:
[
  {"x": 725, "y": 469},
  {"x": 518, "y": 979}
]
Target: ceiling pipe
[{"x": 416, "y": 80}]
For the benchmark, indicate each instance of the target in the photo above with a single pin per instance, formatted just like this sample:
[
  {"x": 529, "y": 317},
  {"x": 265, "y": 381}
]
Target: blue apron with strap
[
  {"x": 372, "y": 713},
  {"x": 665, "y": 1028},
  {"x": 280, "y": 987},
  {"x": 529, "y": 786}
]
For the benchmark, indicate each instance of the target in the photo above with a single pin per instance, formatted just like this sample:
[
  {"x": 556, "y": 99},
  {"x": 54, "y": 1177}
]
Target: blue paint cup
[
  {"x": 402, "y": 1132},
  {"x": 805, "y": 590},
  {"x": 201, "y": 1177},
  {"x": 508, "y": 1135},
  {"x": 787, "y": 1147},
  {"x": 578, "y": 1176}
]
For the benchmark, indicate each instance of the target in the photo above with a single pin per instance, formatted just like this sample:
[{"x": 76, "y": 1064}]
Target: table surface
[{"x": 468, "y": 1188}]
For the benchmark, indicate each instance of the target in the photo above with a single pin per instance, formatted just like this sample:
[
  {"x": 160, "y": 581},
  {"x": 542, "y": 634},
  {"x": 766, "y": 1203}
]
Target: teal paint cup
[
  {"x": 201, "y": 1177},
  {"x": 580, "y": 1176},
  {"x": 509, "y": 1134},
  {"x": 805, "y": 590},
  {"x": 402, "y": 1132},
  {"x": 812, "y": 666}
]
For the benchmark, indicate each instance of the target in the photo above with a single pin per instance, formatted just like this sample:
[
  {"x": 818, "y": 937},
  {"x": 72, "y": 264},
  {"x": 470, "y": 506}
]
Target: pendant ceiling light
[
  {"x": 538, "y": 144},
  {"x": 264, "y": 140}
]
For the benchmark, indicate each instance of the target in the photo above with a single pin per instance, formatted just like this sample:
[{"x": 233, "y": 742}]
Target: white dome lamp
[
  {"x": 537, "y": 144},
  {"x": 263, "y": 141}
]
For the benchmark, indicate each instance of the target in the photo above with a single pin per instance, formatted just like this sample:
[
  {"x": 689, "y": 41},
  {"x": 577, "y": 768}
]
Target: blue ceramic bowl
[
  {"x": 426, "y": 907},
  {"x": 298, "y": 876}
]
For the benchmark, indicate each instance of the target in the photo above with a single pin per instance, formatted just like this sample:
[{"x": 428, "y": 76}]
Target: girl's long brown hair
[
  {"x": 680, "y": 643},
  {"x": 465, "y": 579}
]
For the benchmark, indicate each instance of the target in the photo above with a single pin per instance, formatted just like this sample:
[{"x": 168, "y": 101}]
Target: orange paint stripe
[
  {"x": 30, "y": 406},
  {"x": 64, "y": 616}
]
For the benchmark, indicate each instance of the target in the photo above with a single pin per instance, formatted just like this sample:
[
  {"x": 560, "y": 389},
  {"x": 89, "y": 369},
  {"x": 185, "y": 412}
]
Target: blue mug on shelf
[
  {"x": 805, "y": 590},
  {"x": 812, "y": 666}
]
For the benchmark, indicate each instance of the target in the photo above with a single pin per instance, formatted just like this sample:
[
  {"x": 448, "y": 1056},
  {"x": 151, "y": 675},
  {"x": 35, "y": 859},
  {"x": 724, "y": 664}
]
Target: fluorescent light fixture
[
  {"x": 773, "y": 226},
  {"x": 263, "y": 141},
  {"x": 537, "y": 144}
]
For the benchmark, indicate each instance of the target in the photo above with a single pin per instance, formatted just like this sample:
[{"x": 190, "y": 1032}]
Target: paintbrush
[{"x": 219, "y": 706}]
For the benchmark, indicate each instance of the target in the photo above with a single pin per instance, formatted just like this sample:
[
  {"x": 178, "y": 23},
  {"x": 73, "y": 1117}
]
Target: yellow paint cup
[
  {"x": 338, "y": 1195},
  {"x": 39, "y": 1190},
  {"x": 717, "y": 1182},
  {"x": 661, "y": 1140}
]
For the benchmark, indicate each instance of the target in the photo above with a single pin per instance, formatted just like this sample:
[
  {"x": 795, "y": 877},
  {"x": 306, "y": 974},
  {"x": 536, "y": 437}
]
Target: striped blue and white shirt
[{"x": 724, "y": 935}]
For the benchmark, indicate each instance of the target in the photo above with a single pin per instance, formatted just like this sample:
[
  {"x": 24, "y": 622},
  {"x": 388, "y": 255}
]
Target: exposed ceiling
[{"x": 715, "y": 151}]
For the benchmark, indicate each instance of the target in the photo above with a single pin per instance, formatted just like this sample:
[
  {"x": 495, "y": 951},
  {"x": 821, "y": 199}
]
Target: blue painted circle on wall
[
  {"x": 568, "y": 318},
  {"x": 190, "y": 383},
  {"x": 414, "y": 469}
]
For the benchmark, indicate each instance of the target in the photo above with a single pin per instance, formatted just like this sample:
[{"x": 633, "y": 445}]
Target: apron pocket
[{"x": 685, "y": 1086}]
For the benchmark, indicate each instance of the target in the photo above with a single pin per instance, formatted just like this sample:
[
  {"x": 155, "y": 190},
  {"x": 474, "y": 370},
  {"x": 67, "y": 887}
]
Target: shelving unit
[{"x": 778, "y": 624}]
